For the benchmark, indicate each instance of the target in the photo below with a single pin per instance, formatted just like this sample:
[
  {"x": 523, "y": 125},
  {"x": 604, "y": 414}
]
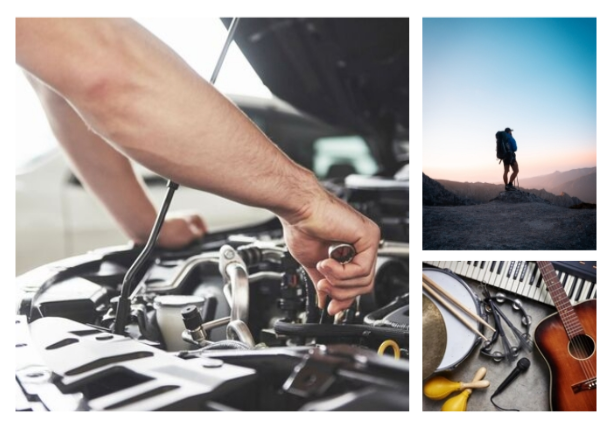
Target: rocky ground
[{"x": 514, "y": 220}]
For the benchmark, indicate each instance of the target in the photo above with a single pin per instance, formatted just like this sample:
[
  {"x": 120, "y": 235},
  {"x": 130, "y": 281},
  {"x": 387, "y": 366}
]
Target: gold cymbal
[{"x": 434, "y": 337}]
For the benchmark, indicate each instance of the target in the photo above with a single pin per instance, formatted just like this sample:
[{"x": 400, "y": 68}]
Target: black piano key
[
  {"x": 493, "y": 266},
  {"x": 482, "y": 265},
  {"x": 572, "y": 287},
  {"x": 517, "y": 269},
  {"x": 591, "y": 291},
  {"x": 523, "y": 272},
  {"x": 579, "y": 289},
  {"x": 534, "y": 273},
  {"x": 500, "y": 267},
  {"x": 510, "y": 271}
]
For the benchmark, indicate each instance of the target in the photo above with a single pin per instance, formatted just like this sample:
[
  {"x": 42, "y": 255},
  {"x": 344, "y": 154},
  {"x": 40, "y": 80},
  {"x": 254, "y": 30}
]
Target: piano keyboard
[{"x": 524, "y": 279}]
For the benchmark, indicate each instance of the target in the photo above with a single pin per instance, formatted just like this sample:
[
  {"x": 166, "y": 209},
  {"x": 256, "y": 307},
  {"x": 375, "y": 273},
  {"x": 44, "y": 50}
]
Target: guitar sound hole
[{"x": 581, "y": 347}]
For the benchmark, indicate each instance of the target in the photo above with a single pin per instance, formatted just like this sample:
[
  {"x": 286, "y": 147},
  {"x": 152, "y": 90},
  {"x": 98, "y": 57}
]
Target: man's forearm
[
  {"x": 106, "y": 172},
  {"x": 141, "y": 97}
]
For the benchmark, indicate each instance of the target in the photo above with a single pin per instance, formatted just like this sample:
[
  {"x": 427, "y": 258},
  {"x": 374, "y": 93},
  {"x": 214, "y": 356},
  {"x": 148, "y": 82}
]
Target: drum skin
[
  {"x": 460, "y": 340},
  {"x": 565, "y": 370}
]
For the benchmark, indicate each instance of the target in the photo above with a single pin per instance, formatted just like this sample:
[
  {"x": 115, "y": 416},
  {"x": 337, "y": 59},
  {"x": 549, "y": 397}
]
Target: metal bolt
[{"x": 228, "y": 253}]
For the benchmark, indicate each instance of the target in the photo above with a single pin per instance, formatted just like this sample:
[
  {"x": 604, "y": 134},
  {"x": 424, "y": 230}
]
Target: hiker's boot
[{"x": 510, "y": 187}]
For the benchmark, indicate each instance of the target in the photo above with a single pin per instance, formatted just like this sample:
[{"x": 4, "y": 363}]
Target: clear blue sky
[{"x": 535, "y": 75}]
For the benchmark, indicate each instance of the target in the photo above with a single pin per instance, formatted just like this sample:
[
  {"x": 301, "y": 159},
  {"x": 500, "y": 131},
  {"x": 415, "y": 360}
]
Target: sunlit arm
[
  {"x": 141, "y": 97},
  {"x": 109, "y": 175}
]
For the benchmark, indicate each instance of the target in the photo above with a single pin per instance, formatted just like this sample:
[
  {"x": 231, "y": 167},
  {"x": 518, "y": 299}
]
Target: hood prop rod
[{"x": 130, "y": 280}]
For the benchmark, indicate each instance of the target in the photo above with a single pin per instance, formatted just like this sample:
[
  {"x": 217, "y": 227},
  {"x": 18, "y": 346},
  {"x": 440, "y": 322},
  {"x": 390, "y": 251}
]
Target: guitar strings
[{"x": 572, "y": 325}]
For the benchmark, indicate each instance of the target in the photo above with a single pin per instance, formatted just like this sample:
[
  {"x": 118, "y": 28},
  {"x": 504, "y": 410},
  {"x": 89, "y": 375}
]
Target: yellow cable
[{"x": 386, "y": 345}]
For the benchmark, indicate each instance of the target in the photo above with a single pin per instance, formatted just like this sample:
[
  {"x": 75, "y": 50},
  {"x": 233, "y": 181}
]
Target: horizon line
[{"x": 531, "y": 177}]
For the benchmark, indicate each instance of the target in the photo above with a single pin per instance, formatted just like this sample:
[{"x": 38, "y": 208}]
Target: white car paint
[{"x": 57, "y": 218}]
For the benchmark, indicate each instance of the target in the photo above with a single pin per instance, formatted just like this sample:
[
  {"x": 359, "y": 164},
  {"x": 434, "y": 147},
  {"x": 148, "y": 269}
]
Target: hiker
[{"x": 510, "y": 160}]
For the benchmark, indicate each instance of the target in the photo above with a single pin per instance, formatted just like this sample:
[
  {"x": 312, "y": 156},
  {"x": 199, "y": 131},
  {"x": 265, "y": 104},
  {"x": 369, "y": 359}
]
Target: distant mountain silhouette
[
  {"x": 434, "y": 194},
  {"x": 482, "y": 192},
  {"x": 583, "y": 188},
  {"x": 552, "y": 181}
]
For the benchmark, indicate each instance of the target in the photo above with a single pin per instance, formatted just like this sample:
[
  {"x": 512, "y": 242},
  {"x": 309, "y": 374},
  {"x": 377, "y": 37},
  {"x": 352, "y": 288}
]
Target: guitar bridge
[{"x": 588, "y": 384}]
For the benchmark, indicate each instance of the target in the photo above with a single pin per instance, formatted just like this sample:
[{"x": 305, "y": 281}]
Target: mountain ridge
[
  {"x": 576, "y": 183},
  {"x": 516, "y": 220}
]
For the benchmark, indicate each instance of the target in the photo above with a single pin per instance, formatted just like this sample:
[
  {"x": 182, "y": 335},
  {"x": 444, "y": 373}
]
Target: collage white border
[{"x": 415, "y": 10}]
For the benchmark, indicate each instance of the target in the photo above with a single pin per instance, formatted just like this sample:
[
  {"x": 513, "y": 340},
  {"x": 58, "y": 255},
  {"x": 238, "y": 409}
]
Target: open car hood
[{"x": 348, "y": 72}]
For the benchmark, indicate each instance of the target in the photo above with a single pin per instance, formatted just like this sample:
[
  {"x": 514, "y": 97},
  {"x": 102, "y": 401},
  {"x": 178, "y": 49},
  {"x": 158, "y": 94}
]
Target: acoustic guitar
[{"x": 567, "y": 342}]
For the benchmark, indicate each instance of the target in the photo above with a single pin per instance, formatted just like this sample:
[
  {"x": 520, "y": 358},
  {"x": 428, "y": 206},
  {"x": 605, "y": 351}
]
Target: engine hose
[
  {"x": 337, "y": 330},
  {"x": 251, "y": 254},
  {"x": 226, "y": 344},
  {"x": 375, "y": 317},
  {"x": 312, "y": 311}
]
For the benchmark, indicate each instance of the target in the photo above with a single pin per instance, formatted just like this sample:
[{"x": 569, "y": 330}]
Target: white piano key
[
  {"x": 540, "y": 290},
  {"x": 579, "y": 291},
  {"x": 570, "y": 280},
  {"x": 480, "y": 273},
  {"x": 489, "y": 273},
  {"x": 463, "y": 268},
  {"x": 473, "y": 271},
  {"x": 584, "y": 293},
  {"x": 571, "y": 287},
  {"x": 499, "y": 277},
  {"x": 452, "y": 266}
]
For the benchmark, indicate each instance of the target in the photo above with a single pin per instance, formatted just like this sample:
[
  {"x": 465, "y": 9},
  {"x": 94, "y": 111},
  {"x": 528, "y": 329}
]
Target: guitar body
[{"x": 567, "y": 364}]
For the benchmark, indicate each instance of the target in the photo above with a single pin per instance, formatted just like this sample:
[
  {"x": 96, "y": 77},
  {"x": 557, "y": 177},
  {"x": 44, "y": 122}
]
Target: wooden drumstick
[
  {"x": 455, "y": 301},
  {"x": 455, "y": 313}
]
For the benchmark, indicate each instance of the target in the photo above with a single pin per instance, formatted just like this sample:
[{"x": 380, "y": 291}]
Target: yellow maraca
[
  {"x": 458, "y": 403},
  {"x": 438, "y": 387}
]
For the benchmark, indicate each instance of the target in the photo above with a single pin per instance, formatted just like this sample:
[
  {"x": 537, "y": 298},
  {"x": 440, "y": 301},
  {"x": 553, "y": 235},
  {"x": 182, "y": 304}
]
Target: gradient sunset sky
[{"x": 534, "y": 75}]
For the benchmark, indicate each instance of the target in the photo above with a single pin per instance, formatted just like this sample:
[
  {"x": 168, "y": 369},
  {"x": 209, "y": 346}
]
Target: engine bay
[{"x": 231, "y": 323}]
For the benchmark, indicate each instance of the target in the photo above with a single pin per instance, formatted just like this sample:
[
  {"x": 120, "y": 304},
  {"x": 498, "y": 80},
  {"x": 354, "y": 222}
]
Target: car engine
[{"x": 230, "y": 323}]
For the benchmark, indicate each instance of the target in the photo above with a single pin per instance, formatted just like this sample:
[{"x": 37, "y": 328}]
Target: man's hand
[
  {"x": 181, "y": 229},
  {"x": 329, "y": 220}
]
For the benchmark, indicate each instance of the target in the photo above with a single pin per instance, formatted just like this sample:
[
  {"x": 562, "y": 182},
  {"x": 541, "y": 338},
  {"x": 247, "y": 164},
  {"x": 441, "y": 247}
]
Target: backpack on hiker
[{"x": 502, "y": 145}]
